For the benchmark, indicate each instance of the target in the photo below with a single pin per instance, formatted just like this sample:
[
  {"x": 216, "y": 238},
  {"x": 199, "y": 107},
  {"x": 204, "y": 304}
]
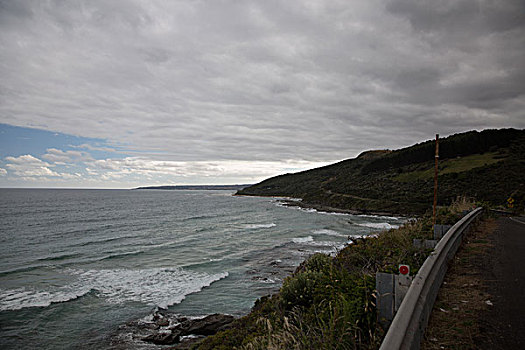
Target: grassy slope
[
  {"x": 487, "y": 165},
  {"x": 449, "y": 166},
  {"x": 328, "y": 303}
]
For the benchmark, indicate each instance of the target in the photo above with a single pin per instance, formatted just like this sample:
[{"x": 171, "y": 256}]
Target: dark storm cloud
[
  {"x": 477, "y": 44},
  {"x": 262, "y": 80},
  {"x": 461, "y": 17}
]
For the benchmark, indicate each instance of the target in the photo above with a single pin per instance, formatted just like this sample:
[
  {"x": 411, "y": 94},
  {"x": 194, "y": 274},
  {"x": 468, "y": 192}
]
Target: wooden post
[{"x": 435, "y": 181}]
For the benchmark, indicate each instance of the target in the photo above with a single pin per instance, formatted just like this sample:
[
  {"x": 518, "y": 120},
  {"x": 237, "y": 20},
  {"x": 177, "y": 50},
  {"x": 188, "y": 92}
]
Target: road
[{"x": 503, "y": 324}]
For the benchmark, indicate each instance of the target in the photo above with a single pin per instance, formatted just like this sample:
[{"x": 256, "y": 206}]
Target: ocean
[{"x": 76, "y": 265}]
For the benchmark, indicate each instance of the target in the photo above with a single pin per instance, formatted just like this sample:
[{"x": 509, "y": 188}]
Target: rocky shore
[
  {"x": 326, "y": 209},
  {"x": 164, "y": 328}
]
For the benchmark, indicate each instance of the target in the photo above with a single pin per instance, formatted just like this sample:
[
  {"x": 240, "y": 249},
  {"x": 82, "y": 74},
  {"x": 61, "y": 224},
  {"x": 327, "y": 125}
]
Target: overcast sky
[{"x": 123, "y": 93}]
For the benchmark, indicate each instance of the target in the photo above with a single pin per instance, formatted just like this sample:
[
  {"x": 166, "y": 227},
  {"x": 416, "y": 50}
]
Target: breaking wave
[
  {"x": 303, "y": 239},
  {"x": 329, "y": 233},
  {"x": 258, "y": 226},
  {"x": 157, "y": 286},
  {"x": 378, "y": 225}
]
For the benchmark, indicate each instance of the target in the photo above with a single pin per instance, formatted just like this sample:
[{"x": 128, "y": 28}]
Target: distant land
[
  {"x": 488, "y": 166},
  {"x": 195, "y": 187}
]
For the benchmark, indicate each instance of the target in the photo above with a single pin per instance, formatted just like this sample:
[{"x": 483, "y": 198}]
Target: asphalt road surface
[{"x": 503, "y": 325}]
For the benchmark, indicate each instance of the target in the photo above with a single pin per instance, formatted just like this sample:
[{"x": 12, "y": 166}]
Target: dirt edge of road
[{"x": 479, "y": 305}]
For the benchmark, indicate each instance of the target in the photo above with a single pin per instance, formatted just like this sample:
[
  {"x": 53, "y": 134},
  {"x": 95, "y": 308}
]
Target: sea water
[{"x": 75, "y": 265}]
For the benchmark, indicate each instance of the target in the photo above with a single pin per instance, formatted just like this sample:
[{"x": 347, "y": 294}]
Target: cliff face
[{"x": 487, "y": 165}]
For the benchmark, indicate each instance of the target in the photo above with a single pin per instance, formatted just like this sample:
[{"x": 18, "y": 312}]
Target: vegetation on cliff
[
  {"x": 329, "y": 302},
  {"x": 487, "y": 165}
]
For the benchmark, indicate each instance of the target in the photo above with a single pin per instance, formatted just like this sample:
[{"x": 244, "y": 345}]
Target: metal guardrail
[{"x": 408, "y": 326}]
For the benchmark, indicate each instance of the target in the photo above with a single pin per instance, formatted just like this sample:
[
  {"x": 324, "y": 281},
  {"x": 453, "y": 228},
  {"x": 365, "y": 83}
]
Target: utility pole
[{"x": 435, "y": 181}]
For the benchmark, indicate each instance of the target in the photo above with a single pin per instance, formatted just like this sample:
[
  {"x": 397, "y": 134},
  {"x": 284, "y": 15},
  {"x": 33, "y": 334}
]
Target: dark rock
[
  {"x": 163, "y": 338},
  {"x": 182, "y": 327},
  {"x": 208, "y": 325},
  {"x": 140, "y": 325},
  {"x": 187, "y": 344},
  {"x": 176, "y": 326},
  {"x": 157, "y": 315},
  {"x": 163, "y": 322}
]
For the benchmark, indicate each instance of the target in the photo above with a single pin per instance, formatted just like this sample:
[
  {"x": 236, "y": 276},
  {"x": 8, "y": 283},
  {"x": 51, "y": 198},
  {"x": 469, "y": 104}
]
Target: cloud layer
[
  {"x": 64, "y": 171},
  {"x": 259, "y": 81}
]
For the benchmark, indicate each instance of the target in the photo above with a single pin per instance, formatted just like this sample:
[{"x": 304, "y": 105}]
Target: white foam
[
  {"x": 324, "y": 244},
  {"x": 16, "y": 299},
  {"x": 312, "y": 210},
  {"x": 302, "y": 253},
  {"x": 310, "y": 252},
  {"x": 303, "y": 239},
  {"x": 329, "y": 233},
  {"x": 266, "y": 281},
  {"x": 258, "y": 226},
  {"x": 331, "y": 252},
  {"x": 378, "y": 225},
  {"x": 334, "y": 213},
  {"x": 157, "y": 286},
  {"x": 358, "y": 236},
  {"x": 380, "y": 217},
  {"x": 295, "y": 207},
  {"x": 292, "y": 199}
]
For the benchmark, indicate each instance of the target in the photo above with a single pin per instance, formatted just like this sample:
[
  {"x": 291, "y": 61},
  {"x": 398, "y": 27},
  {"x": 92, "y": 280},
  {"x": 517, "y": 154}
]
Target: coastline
[
  {"x": 164, "y": 327},
  {"x": 300, "y": 203},
  {"x": 284, "y": 237},
  {"x": 328, "y": 209}
]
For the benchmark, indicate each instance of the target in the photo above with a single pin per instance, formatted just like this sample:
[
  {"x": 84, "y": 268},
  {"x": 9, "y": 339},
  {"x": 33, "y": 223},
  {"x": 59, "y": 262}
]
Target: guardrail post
[
  {"x": 424, "y": 243},
  {"x": 402, "y": 283},
  {"x": 408, "y": 325},
  {"x": 385, "y": 298},
  {"x": 440, "y": 231}
]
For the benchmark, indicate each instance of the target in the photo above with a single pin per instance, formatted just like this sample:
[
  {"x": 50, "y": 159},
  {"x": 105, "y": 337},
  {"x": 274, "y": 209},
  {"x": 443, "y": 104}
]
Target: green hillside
[{"x": 488, "y": 166}]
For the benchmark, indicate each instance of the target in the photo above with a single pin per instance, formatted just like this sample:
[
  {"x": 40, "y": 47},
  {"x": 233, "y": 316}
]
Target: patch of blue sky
[{"x": 16, "y": 141}]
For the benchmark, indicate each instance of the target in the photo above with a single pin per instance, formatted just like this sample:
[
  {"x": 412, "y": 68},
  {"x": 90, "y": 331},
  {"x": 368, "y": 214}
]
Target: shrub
[
  {"x": 299, "y": 290},
  {"x": 318, "y": 263},
  {"x": 328, "y": 303}
]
